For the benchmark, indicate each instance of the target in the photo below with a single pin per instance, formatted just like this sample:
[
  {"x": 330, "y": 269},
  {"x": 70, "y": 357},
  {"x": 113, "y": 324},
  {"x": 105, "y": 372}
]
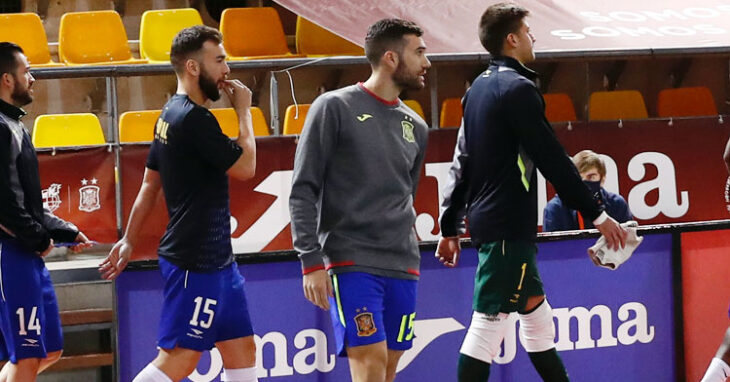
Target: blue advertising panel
[{"x": 610, "y": 325}]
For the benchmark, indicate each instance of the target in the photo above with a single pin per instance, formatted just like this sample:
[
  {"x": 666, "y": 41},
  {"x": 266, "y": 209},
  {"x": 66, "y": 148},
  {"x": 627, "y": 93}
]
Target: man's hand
[
  {"x": 116, "y": 261},
  {"x": 615, "y": 234},
  {"x": 83, "y": 241},
  {"x": 47, "y": 250},
  {"x": 318, "y": 288},
  {"x": 448, "y": 251},
  {"x": 238, "y": 94}
]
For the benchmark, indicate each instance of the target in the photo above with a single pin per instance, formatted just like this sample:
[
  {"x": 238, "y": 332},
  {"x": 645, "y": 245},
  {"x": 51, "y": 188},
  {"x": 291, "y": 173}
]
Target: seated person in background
[{"x": 558, "y": 217}]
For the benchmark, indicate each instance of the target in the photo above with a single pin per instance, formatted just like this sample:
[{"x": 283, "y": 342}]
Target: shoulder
[
  {"x": 613, "y": 198},
  {"x": 554, "y": 204}
]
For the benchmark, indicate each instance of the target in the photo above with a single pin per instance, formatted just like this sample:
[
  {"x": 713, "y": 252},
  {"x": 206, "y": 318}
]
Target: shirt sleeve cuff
[
  {"x": 600, "y": 219},
  {"x": 311, "y": 262}
]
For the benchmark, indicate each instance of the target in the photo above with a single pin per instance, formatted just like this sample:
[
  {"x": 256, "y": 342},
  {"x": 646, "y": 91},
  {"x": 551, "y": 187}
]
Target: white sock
[
  {"x": 718, "y": 371},
  {"x": 151, "y": 374},
  {"x": 240, "y": 375}
]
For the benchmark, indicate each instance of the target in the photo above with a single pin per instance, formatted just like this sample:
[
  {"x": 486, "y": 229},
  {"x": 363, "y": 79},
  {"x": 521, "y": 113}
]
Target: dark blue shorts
[
  {"x": 368, "y": 309},
  {"x": 30, "y": 325},
  {"x": 200, "y": 309}
]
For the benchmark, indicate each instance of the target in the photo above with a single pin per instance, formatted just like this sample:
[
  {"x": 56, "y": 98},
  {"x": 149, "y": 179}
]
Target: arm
[
  {"x": 14, "y": 219},
  {"x": 240, "y": 96},
  {"x": 418, "y": 163},
  {"x": 315, "y": 147},
  {"x": 526, "y": 116},
  {"x": 454, "y": 205},
  {"x": 118, "y": 257}
]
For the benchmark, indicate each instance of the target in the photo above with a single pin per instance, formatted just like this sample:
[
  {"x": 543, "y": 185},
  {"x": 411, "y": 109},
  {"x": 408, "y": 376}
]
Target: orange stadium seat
[
  {"x": 415, "y": 106},
  {"x": 228, "y": 121},
  {"x": 451, "y": 113},
  {"x": 138, "y": 126},
  {"x": 293, "y": 123},
  {"x": 59, "y": 130},
  {"x": 94, "y": 38},
  {"x": 314, "y": 40},
  {"x": 686, "y": 102},
  {"x": 26, "y": 30},
  {"x": 618, "y": 104},
  {"x": 253, "y": 33},
  {"x": 157, "y": 29},
  {"x": 559, "y": 107}
]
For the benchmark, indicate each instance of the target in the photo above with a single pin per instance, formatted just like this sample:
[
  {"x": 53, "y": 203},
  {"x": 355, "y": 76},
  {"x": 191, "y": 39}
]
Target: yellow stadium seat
[
  {"x": 159, "y": 27},
  {"x": 618, "y": 104},
  {"x": 96, "y": 38},
  {"x": 686, "y": 102},
  {"x": 415, "y": 106},
  {"x": 559, "y": 107},
  {"x": 26, "y": 30},
  {"x": 253, "y": 33},
  {"x": 59, "y": 130},
  {"x": 228, "y": 120},
  {"x": 260, "y": 127},
  {"x": 451, "y": 113},
  {"x": 138, "y": 126},
  {"x": 293, "y": 123},
  {"x": 314, "y": 40}
]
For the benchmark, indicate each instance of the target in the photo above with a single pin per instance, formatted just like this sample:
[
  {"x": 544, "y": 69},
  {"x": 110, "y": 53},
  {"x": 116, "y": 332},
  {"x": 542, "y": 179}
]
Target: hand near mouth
[{"x": 237, "y": 92}]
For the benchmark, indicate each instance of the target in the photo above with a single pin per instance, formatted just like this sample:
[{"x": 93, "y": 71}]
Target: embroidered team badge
[
  {"x": 89, "y": 196},
  {"x": 365, "y": 324},
  {"x": 408, "y": 131},
  {"x": 52, "y": 197}
]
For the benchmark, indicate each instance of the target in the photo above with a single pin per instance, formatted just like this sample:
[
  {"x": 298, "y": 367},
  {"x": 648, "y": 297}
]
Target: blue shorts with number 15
[
  {"x": 368, "y": 309},
  {"x": 200, "y": 309}
]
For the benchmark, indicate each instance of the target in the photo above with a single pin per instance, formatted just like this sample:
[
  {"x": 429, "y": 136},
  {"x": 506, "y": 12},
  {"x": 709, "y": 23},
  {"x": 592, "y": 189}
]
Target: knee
[
  {"x": 53, "y": 357},
  {"x": 484, "y": 337},
  {"x": 537, "y": 329}
]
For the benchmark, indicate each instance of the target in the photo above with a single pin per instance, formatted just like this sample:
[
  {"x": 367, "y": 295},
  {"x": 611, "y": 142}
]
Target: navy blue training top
[{"x": 192, "y": 155}]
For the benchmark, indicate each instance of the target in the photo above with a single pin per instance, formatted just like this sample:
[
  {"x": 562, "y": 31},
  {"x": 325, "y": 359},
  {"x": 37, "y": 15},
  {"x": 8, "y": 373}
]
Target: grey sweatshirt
[{"x": 356, "y": 171}]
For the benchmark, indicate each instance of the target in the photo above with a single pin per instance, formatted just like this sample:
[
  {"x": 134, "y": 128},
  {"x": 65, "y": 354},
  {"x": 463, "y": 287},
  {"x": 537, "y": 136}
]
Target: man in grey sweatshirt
[{"x": 356, "y": 171}]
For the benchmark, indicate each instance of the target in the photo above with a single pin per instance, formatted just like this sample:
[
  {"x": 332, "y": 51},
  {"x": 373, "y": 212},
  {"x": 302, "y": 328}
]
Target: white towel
[{"x": 611, "y": 259}]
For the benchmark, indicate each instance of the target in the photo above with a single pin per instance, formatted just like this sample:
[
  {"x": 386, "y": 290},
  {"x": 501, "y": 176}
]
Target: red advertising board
[
  {"x": 667, "y": 173},
  {"x": 78, "y": 186},
  {"x": 705, "y": 297}
]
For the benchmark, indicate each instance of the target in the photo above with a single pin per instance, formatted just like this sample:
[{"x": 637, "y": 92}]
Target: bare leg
[
  {"x": 238, "y": 353},
  {"x": 23, "y": 371},
  {"x": 177, "y": 363},
  {"x": 393, "y": 357},
  {"x": 368, "y": 363}
]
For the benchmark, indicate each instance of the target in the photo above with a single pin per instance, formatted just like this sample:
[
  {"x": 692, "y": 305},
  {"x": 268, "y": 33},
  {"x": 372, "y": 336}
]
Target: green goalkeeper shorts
[{"x": 506, "y": 276}]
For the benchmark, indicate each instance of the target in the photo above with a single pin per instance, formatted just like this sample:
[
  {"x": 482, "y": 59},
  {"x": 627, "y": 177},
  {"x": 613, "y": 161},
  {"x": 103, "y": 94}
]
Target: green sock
[
  {"x": 549, "y": 365},
  {"x": 472, "y": 370}
]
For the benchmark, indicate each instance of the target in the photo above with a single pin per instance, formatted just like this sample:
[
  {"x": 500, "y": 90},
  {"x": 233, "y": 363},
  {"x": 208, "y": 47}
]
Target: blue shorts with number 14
[{"x": 368, "y": 309}]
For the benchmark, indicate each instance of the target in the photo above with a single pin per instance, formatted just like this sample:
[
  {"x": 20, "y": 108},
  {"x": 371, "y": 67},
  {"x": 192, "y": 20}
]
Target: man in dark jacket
[
  {"x": 504, "y": 137},
  {"x": 30, "y": 326},
  {"x": 558, "y": 217}
]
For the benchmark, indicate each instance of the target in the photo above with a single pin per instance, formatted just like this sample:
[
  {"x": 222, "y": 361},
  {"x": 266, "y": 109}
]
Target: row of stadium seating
[
  {"x": 99, "y": 37},
  {"x": 137, "y": 126}
]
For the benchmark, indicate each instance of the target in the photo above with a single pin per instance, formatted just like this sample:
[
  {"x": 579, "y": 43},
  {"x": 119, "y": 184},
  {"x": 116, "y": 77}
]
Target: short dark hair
[
  {"x": 498, "y": 21},
  {"x": 9, "y": 57},
  {"x": 190, "y": 40},
  {"x": 387, "y": 34}
]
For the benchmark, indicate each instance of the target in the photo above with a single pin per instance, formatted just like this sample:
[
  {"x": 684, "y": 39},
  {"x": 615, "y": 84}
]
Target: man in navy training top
[
  {"x": 558, "y": 217},
  {"x": 190, "y": 160},
  {"x": 356, "y": 171},
  {"x": 30, "y": 326},
  {"x": 504, "y": 138}
]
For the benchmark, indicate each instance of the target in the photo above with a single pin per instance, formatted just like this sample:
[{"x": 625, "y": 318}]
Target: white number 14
[{"x": 33, "y": 322}]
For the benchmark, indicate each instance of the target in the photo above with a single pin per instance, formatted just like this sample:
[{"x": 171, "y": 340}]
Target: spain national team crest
[
  {"x": 89, "y": 196},
  {"x": 365, "y": 324},
  {"x": 408, "y": 131},
  {"x": 52, "y": 197}
]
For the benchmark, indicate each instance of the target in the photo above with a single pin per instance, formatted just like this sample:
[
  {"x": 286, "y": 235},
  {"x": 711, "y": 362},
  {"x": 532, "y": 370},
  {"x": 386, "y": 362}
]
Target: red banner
[
  {"x": 667, "y": 173},
  {"x": 78, "y": 186},
  {"x": 705, "y": 297}
]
